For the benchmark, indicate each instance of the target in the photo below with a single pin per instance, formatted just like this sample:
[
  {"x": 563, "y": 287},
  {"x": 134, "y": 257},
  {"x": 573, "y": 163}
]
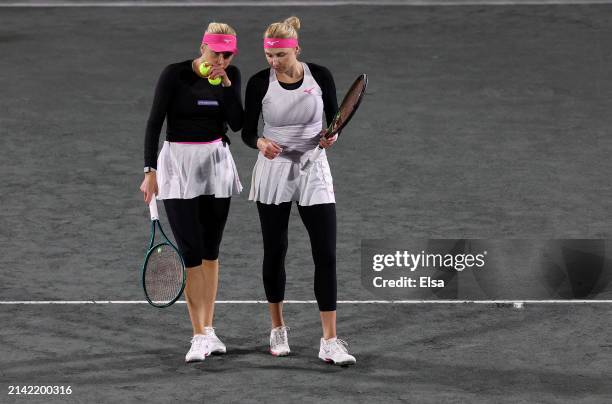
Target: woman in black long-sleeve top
[{"x": 195, "y": 174}]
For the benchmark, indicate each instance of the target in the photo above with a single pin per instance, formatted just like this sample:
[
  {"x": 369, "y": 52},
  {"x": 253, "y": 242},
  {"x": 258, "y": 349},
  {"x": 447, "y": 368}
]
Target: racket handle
[
  {"x": 153, "y": 209},
  {"x": 313, "y": 156}
]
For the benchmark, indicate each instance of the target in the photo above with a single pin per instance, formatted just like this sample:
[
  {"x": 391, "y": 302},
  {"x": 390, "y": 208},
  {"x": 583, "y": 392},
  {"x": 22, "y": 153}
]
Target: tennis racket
[
  {"x": 347, "y": 109},
  {"x": 163, "y": 271}
]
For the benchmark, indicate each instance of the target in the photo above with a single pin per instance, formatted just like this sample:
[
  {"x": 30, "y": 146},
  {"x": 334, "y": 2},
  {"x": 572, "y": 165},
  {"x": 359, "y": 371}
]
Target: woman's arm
[
  {"x": 255, "y": 91},
  {"x": 159, "y": 109},
  {"x": 325, "y": 80},
  {"x": 232, "y": 101}
]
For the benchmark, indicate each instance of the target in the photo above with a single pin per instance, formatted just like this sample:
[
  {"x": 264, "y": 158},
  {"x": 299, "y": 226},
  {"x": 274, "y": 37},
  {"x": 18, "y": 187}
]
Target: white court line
[
  {"x": 293, "y": 3},
  {"x": 569, "y": 301}
]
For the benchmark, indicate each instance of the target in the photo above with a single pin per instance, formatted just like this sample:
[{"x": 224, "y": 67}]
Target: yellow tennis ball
[
  {"x": 215, "y": 81},
  {"x": 205, "y": 69}
]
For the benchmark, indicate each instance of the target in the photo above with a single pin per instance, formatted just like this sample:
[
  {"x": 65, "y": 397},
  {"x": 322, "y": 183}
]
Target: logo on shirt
[
  {"x": 208, "y": 103},
  {"x": 309, "y": 90},
  {"x": 227, "y": 40}
]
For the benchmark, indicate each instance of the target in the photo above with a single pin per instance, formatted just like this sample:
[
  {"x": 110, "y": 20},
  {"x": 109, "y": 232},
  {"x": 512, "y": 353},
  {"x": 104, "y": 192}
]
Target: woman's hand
[
  {"x": 268, "y": 148},
  {"x": 325, "y": 142},
  {"x": 217, "y": 70},
  {"x": 149, "y": 186}
]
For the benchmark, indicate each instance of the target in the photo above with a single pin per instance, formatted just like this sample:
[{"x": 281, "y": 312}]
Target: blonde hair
[
  {"x": 220, "y": 28},
  {"x": 286, "y": 29}
]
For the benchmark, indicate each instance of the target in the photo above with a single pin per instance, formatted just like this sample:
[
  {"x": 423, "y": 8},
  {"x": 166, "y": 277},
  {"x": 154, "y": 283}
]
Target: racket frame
[
  {"x": 152, "y": 246},
  {"x": 330, "y": 132}
]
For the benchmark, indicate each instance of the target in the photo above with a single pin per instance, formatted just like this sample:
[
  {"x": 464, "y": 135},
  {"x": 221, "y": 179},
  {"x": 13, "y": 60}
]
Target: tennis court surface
[{"x": 480, "y": 121}]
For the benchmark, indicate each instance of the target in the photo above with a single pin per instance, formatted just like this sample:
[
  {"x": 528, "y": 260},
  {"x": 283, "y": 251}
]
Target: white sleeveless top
[{"x": 293, "y": 120}]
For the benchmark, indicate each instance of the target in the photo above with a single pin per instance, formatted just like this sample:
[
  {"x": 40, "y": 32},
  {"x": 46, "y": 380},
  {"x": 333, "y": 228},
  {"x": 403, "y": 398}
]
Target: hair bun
[{"x": 294, "y": 22}]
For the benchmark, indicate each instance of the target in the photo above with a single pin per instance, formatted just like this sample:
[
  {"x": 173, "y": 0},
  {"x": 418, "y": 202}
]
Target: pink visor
[
  {"x": 221, "y": 42},
  {"x": 280, "y": 43}
]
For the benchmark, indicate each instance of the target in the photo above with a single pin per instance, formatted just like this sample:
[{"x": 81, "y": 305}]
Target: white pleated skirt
[
  {"x": 281, "y": 180},
  {"x": 188, "y": 170}
]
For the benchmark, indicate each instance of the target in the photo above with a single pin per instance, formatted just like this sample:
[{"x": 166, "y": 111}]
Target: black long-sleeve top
[
  {"x": 258, "y": 86},
  {"x": 196, "y": 110}
]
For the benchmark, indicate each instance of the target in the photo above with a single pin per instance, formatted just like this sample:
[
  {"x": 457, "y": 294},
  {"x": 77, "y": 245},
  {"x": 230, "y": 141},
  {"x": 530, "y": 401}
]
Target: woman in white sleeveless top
[{"x": 292, "y": 97}]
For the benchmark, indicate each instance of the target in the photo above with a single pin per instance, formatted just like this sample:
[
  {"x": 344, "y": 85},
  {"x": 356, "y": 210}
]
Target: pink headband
[
  {"x": 221, "y": 42},
  {"x": 280, "y": 43}
]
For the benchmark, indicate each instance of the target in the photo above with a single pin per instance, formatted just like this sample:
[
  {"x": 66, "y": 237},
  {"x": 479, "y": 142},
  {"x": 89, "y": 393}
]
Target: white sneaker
[
  {"x": 214, "y": 343},
  {"x": 279, "y": 345},
  {"x": 199, "y": 349},
  {"x": 335, "y": 350}
]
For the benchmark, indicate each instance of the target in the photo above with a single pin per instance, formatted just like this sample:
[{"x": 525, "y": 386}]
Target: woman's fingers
[
  {"x": 272, "y": 150},
  {"x": 143, "y": 189},
  {"x": 275, "y": 148},
  {"x": 217, "y": 71},
  {"x": 149, "y": 189},
  {"x": 272, "y": 153},
  {"x": 268, "y": 148},
  {"x": 325, "y": 142}
]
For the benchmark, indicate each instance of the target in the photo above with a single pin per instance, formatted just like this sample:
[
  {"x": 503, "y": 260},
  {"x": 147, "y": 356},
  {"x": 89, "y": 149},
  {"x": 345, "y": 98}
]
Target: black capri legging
[
  {"x": 320, "y": 222},
  {"x": 197, "y": 225}
]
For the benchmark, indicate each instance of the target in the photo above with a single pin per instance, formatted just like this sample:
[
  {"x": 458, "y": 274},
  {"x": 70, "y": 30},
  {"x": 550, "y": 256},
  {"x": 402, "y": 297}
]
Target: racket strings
[
  {"x": 164, "y": 274},
  {"x": 351, "y": 100}
]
